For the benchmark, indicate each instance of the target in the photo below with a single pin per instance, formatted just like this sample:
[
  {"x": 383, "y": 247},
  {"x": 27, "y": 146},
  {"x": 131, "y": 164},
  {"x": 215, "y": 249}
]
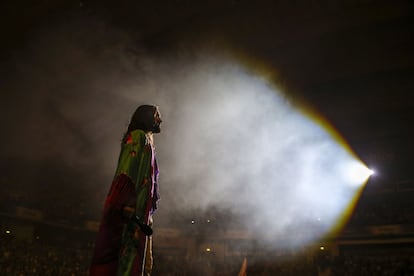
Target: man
[{"x": 122, "y": 246}]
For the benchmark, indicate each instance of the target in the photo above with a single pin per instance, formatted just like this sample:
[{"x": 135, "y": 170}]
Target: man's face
[{"x": 157, "y": 121}]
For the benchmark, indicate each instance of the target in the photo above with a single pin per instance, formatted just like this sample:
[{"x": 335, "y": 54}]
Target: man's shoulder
[
  {"x": 138, "y": 136},
  {"x": 137, "y": 133}
]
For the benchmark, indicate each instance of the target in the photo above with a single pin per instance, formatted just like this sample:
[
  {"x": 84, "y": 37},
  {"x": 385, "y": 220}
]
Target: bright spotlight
[
  {"x": 371, "y": 172},
  {"x": 357, "y": 173}
]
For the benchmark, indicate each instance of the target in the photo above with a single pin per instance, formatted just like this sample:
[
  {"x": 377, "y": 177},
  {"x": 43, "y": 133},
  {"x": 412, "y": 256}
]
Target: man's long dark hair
[{"x": 143, "y": 119}]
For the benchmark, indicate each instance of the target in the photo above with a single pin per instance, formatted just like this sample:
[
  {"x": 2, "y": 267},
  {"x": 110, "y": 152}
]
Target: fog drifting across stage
[{"x": 230, "y": 139}]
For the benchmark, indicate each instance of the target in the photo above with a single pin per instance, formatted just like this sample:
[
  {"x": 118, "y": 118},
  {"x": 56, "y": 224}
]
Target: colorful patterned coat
[{"x": 120, "y": 247}]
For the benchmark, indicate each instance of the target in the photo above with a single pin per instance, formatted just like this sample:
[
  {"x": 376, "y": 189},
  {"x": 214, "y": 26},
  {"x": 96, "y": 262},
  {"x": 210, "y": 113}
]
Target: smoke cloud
[{"x": 230, "y": 140}]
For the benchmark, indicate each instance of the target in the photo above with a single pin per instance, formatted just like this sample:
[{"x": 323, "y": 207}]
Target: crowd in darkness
[
  {"x": 40, "y": 257},
  {"x": 338, "y": 265},
  {"x": 21, "y": 258}
]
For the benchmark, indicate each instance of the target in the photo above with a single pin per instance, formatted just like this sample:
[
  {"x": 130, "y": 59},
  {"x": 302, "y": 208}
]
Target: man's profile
[{"x": 124, "y": 245}]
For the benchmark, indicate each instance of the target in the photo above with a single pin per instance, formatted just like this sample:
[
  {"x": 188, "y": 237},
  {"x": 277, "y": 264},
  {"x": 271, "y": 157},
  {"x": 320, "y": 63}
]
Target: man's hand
[{"x": 129, "y": 213}]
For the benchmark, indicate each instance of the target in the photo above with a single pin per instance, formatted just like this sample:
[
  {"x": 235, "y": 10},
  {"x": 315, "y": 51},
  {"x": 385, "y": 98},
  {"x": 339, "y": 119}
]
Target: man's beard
[{"x": 156, "y": 128}]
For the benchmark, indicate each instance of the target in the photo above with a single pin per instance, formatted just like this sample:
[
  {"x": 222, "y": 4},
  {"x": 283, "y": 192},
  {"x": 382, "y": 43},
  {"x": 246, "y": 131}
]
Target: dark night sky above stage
[{"x": 73, "y": 71}]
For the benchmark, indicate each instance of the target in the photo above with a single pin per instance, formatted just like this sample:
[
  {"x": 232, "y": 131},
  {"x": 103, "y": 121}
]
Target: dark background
[{"x": 351, "y": 61}]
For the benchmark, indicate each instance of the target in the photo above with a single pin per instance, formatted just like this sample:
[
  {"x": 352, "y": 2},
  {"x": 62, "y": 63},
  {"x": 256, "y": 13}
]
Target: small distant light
[
  {"x": 208, "y": 249},
  {"x": 8, "y": 231},
  {"x": 208, "y": 221},
  {"x": 322, "y": 248},
  {"x": 192, "y": 221}
]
